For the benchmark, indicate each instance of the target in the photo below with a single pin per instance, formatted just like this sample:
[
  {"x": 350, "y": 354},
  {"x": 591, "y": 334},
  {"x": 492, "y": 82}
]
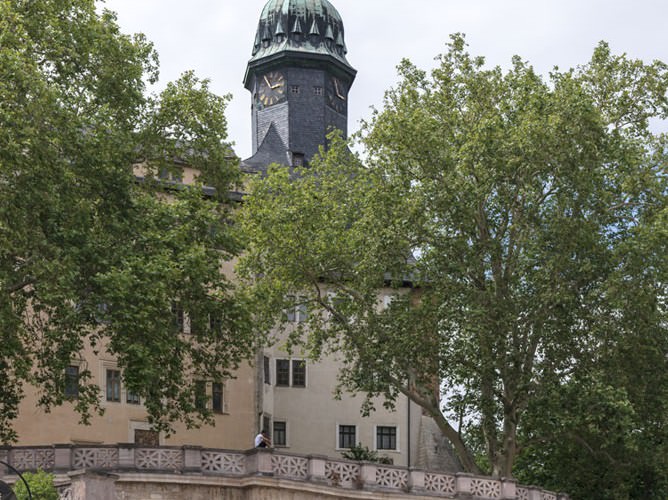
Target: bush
[
  {"x": 361, "y": 453},
  {"x": 41, "y": 486}
]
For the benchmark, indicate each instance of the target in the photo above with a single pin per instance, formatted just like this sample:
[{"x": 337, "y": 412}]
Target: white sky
[{"x": 215, "y": 38}]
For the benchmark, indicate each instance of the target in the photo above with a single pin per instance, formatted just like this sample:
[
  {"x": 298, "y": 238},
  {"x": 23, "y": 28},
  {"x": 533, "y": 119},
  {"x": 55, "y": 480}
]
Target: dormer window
[{"x": 297, "y": 159}]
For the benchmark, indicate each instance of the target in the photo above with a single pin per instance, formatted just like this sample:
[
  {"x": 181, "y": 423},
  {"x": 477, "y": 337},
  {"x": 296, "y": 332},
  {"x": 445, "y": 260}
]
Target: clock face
[
  {"x": 336, "y": 94},
  {"x": 271, "y": 88}
]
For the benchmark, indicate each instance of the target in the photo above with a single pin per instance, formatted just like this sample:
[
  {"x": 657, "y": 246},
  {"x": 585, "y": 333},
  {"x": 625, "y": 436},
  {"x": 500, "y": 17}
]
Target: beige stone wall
[
  {"x": 313, "y": 415},
  {"x": 234, "y": 430}
]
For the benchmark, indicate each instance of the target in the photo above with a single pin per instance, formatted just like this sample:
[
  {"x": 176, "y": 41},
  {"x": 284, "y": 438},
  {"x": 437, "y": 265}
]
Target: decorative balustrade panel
[
  {"x": 34, "y": 458},
  {"x": 391, "y": 478},
  {"x": 522, "y": 493},
  {"x": 158, "y": 459},
  {"x": 289, "y": 466},
  {"x": 99, "y": 458},
  {"x": 440, "y": 483},
  {"x": 485, "y": 488},
  {"x": 342, "y": 473},
  {"x": 223, "y": 463},
  {"x": 547, "y": 496}
]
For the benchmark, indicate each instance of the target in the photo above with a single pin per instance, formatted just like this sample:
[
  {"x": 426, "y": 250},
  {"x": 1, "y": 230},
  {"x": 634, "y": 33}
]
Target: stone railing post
[
  {"x": 316, "y": 469},
  {"x": 508, "y": 489},
  {"x": 86, "y": 484},
  {"x": 126, "y": 456},
  {"x": 463, "y": 485},
  {"x": 416, "y": 479},
  {"x": 258, "y": 462},
  {"x": 368, "y": 474},
  {"x": 4, "y": 457},
  {"x": 534, "y": 493},
  {"x": 62, "y": 457},
  {"x": 192, "y": 459}
]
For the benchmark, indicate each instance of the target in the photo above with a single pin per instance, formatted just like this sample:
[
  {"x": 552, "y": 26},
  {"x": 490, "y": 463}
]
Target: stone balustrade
[{"x": 315, "y": 470}]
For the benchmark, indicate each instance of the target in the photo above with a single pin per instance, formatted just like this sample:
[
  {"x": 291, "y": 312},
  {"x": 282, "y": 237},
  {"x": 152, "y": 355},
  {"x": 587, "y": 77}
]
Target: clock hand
[
  {"x": 338, "y": 92},
  {"x": 267, "y": 82}
]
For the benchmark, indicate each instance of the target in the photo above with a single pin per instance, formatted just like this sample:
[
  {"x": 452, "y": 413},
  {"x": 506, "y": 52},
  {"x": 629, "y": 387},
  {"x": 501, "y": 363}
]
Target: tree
[
  {"x": 90, "y": 254},
  {"x": 509, "y": 214}
]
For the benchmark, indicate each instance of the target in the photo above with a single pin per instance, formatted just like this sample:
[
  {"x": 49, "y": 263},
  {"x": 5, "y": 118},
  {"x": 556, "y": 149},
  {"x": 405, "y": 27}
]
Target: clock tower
[{"x": 299, "y": 80}]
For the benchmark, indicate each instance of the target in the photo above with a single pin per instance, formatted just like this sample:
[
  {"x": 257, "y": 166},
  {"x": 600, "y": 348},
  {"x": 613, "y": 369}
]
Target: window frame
[
  {"x": 113, "y": 385},
  {"x": 201, "y": 398},
  {"x": 297, "y": 312},
  {"x": 342, "y": 433},
  {"x": 282, "y": 376},
  {"x": 71, "y": 387},
  {"x": 131, "y": 398},
  {"x": 218, "y": 408},
  {"x": 276, "y": 434},
  {"x": 301, "y": 372},
  {"x": 380, "y": 435},
  {"x": 266, "y": 368},
  {"x": 178, "y": 316}
]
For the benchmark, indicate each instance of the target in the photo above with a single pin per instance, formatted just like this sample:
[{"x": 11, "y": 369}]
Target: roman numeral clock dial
[
  {"x": 336, "y": 94},
  {"x": 271, "y": 88}
]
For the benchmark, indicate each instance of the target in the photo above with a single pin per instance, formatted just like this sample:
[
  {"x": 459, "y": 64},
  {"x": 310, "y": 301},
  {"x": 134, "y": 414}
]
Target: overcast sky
[{"x": 215, "y": 38}]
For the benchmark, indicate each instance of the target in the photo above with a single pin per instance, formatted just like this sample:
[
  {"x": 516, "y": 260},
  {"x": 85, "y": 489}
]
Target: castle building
[{"x": 300, "y": 81}]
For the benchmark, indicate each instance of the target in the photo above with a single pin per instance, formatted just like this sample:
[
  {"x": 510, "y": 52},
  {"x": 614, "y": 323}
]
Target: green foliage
[
  {"x": 361, "y": 453},
  {"x": 40, "y": 484},
  {"x": 521, "y": 225},
  {"x": 90, "y": 255}
]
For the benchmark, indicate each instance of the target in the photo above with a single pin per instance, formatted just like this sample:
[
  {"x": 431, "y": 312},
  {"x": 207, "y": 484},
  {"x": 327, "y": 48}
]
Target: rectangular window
[
  {"x": 177, "y": 316},
  {"x": 114, "y": 385},
  {"x": 317, "y": 90},
  {"x": 386, "y": 438},
  {"x": 298, "y": 373},
  {"x": 200, "y": 394},
  {"x": 297, "y": 312},
  {"x": 283, "y": 372},
  {"x": 215, "y": 323},
  {"x": 72, "y": 382},
  {"x": 294, "y": 89},
  {"x": 280, "y": 437},
  {"x": 217, "y": 401},
  {"x": 266, "y": 369},
  {"x": 297, "y": 159},
  {"x": 171, "y": 175},
  {"x": 347, "y": 436},
  {"x": 131, "y": 398}
]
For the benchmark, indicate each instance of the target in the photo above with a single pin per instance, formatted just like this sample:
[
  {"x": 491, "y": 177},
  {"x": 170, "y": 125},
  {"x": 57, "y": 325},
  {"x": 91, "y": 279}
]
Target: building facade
[{"x": 299, "y": 80}]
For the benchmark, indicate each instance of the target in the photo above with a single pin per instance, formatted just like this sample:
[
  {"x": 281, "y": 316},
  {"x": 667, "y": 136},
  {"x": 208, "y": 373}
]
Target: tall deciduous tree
[
  {"x": 511, "y": 215},
  {"x": 89, "y": 253}
]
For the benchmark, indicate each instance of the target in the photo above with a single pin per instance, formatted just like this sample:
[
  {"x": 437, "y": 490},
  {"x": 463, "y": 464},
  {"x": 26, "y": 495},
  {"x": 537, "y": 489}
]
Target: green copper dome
[{"x": 305, "y": 26}]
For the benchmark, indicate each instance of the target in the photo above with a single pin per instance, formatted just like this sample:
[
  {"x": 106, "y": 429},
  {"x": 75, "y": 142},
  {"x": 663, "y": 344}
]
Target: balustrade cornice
[{"x": 318, "y": 470}]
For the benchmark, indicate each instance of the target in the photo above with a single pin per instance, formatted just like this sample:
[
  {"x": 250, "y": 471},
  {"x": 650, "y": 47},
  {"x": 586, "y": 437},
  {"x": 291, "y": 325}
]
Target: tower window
[
  {"x": 317, "y": 90},
  {"x": 294, "y": 89},
  {"x": 298, "y": 161}
]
